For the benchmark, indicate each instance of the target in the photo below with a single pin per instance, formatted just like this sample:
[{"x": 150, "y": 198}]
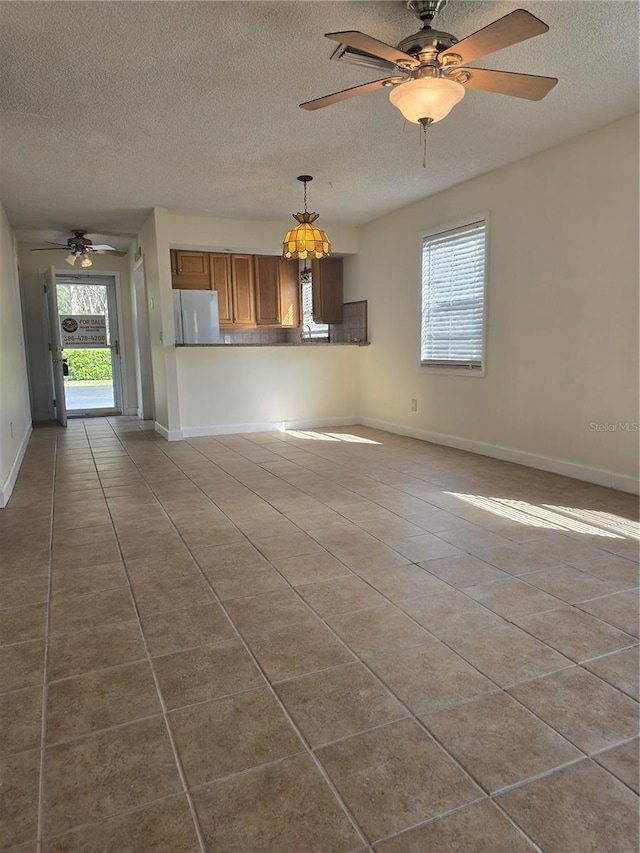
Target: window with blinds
[
  {"x": 453, "y": 295},
  {"x": 311, "y": 329}
]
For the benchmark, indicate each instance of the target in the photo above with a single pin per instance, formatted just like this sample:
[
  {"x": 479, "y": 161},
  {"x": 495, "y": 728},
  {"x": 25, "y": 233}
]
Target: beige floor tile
[
  {"x": 245, "y": 581},
  {"x": 429, "y": 677},
  {"x": 394, "y": 777},
  {"x": 82, "y": 556},
  {"x": 450, "y": 613},
  {"x": 584, "y": 709},
  {"x": 498, "y": 742},
  {"x": 578, "y": 809},
  {"x": 506, "y": 654},
  {"x": 18, "y": 561},
  {"x": 81, "y": 536},
  {"x": 310, "y": 568},
  {"x": 341, "y": 595},
  {"x": 20, "y": 720},
  {"x": 89, "y": 517},
  {"x": 99, "y": 700},
  {"x": 481, "y": 829},
  {"x": 623, "y": 761},
  {"x": 67, "y": 583},
  {"x": 621, "y": 669},
  {"x": 374, "y": 555},
  {"x": 20, "y": 624},
  {"x": 94, "y": 648},
  {"x": 185, "y": 628},
  {"x": 22, "y": 665},
  {"x": 473, "y": 538},
  {"x": 18, "y": 592},
  {"x": 236, "y": 555},
  {"x": 382, "y": 629},
  {"x": 297, "y": 649},
  {"x": 286, "y": 806},
  {"x": 163, "y": 827},
  {"x": 575, "y": 634},
  {"x": 620, "y": 610},
  {"x": 206, "y": 672},
  {"x": 424, "y": 547},
  {"x": 512, "y": 598},
  {"x": 345, "y": 537},
  {"x": 261, "y": 613},
  {"x": 392, "y": 528},
  {"x": 521, "y": 558},
  {"x": 612, "y": 569},
  {"x": 164, "y": 595},
  {"x": 152, "y": 569},
  {"x": 463, "y": 570},
  {"x": 90, "y": 611},
  {"x": 227, "y": 736},
  {"x": 569, "y": 584},
  {"x": 19, "y": 779},
  {"x": 97, "y": 776},
  {"x": 338, "y": 702},
  {"x": 153, "y": 545},
  {"x": 401, "y": 582},
  {"x": 289, "y": 545}
]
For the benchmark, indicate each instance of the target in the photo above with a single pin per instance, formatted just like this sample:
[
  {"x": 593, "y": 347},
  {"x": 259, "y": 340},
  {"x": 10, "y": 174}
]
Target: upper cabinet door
[
  {"x": 191, "y": 270},
  {"x": 289, "y": 292},
  {"x": 326, "y": 277},
  {"x": 220, "y": 271},
  {"x": 267, "y": 290},
  {"x": 244, "y": 308}
]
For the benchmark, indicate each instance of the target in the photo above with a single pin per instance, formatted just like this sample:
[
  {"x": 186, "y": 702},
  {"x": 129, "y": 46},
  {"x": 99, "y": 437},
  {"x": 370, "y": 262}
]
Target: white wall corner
[
  {"x": 609, "y": 479},
  {"x": 9, "y": 483}
]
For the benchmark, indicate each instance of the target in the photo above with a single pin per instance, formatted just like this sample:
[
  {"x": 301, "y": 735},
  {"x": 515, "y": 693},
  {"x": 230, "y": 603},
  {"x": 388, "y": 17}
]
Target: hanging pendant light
[
  {"x": 305, "y": 240},
  {"x": 86, "y": 261}
]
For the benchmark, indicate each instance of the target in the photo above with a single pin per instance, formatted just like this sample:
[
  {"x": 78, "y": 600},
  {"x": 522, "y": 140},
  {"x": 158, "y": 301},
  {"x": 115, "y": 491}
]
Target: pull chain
[{"x": 425, "y": 122}]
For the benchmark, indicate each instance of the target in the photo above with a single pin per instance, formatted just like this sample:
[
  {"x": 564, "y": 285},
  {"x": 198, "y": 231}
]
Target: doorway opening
[{"x": 88, "y": 352}]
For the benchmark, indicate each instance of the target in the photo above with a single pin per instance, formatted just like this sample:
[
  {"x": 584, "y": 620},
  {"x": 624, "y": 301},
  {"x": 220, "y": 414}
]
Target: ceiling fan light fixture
[
  {"x": 426, "y": 98},
  {"x": 71, "y": 258},
  {"x": 86, "y": 261},
  {"x": 306, "y": 240}
]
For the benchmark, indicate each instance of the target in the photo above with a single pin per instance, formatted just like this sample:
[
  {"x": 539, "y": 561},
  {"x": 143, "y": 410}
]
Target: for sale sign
[{"x": 83, "y": 331}]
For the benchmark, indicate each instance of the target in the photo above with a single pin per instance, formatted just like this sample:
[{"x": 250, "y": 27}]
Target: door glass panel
[{"x": 88, "y": 380}]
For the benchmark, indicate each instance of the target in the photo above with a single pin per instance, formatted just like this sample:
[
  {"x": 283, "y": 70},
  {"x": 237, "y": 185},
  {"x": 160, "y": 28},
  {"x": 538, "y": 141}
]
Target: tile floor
[{"x": 312, "y": 641}]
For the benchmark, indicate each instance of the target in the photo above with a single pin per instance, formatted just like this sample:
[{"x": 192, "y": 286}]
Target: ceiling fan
[
  {"x": 79, "y": 246},
  {"x": 433, "y": 64}
]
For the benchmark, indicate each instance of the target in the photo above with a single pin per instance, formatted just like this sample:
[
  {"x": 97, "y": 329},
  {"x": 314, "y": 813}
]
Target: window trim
[{"x": 459, "y": 369}]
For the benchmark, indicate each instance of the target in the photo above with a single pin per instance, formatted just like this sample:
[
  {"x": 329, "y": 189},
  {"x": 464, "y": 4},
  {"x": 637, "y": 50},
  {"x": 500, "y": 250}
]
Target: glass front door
[{"x": 89, "y": 340}]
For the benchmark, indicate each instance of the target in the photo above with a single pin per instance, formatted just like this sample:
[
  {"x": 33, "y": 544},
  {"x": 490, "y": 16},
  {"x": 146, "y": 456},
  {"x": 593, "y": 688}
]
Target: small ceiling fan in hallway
[{"x": 80, "y": 247}]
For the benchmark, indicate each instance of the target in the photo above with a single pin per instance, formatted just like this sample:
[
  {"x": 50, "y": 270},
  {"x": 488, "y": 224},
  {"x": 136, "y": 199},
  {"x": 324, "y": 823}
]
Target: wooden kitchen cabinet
[
  {"x": 277, "y": 291},
  {"x": 220, "y": 276},
  {"x": 243, "y": 290},
  {"x": 189, "y": 270},
  {"x": 289, "y": 292},
  {"x": 327, "y": 288},
  {"x": 267, "y": 284}
]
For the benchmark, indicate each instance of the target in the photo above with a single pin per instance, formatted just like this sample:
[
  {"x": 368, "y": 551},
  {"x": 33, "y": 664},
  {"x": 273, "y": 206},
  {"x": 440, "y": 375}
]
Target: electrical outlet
[{"x": 414, "y": 405}]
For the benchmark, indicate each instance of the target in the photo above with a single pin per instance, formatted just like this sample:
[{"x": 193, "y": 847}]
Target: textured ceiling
[{"x": 112, "y": 108}]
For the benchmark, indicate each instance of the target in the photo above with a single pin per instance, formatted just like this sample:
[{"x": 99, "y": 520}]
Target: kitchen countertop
[{"x": 307, "y": 344}]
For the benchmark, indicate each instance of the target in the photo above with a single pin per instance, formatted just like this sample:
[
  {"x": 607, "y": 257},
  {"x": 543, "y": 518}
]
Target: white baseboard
[
  {"x": 9, "y": 483},
  {"x": 509, "y": 454},
  {"x": 279, "y": 426}
]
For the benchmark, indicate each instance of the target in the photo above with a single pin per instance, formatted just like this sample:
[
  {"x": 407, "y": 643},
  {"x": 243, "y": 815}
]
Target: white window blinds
[
  {"x": 453, "y": 288},
  {"x": 311, "y": 329}
]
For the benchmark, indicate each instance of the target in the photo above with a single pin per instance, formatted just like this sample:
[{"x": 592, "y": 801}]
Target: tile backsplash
[{"x": 353, "y": 329}]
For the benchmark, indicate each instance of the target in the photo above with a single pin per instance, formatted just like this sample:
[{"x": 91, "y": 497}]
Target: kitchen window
[
  {"x": 310, "y": 329},
  {"x": 453, "y": 298}
]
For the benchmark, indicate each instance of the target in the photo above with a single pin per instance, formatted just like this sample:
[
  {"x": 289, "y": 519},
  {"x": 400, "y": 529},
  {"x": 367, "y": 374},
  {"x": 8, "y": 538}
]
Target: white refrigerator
[{"x": 196, "y": 316}]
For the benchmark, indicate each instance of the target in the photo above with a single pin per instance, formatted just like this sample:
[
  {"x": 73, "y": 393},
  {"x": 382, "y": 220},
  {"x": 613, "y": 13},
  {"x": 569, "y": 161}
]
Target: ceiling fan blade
[
  {"x": 318, "y": 103},
  {"x": 109, "y": 252},
  {"x": 98, "y": 246},
  {"x": 53, "y": 248},
  {"x": 363, "y": 42},
  {"x": 515, "y": 27},
  {"x": 529, "y": 86}
]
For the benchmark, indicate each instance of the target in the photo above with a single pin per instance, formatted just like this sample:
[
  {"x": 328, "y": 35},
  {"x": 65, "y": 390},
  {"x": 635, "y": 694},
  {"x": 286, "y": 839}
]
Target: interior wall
[
  {"x": 15, "y": 414},
  {"x": 562, "y": 329},
  {"x": 246, "y": 388},
  {"x": 31, "y": 265}
]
